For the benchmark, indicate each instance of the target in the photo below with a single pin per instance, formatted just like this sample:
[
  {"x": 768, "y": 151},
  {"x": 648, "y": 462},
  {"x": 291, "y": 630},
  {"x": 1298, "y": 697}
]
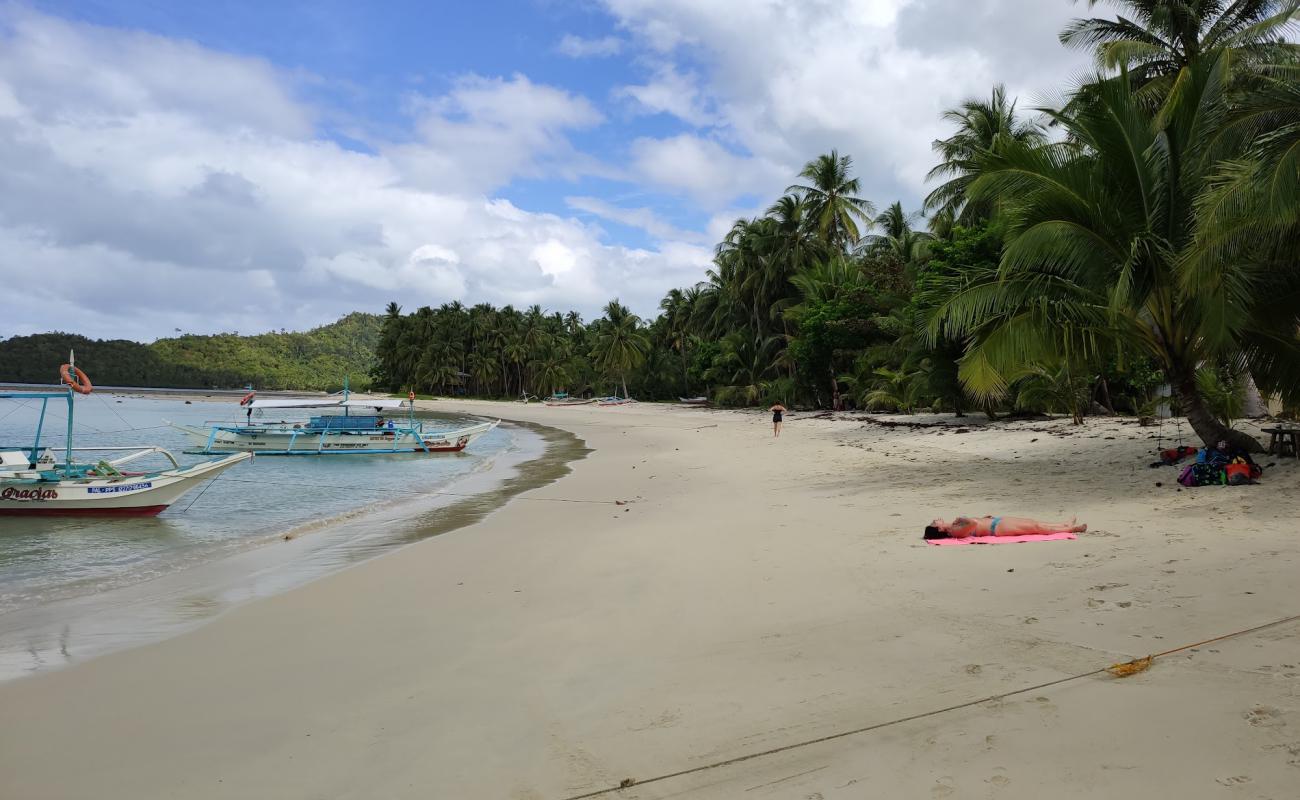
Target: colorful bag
[
  {"x": 1237, "y": 468},
  {"x": 1201, "y": 475}
]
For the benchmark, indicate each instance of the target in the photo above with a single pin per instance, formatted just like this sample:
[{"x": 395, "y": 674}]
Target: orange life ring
[
  {"x": 75, "y": 379},
  {"x": 410, "y": 396},
  {"x": 248, "y": 398}
]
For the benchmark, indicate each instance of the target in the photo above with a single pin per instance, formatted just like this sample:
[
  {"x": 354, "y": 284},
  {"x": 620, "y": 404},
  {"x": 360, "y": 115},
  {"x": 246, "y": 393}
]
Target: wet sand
[{"x": 750, "y": 594}]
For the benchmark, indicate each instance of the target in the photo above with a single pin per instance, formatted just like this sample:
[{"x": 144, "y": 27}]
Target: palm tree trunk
[
  {"x": 623, "y": 377},
  {"x": 1206, "y": 425},
  {"x": 686, "y": 376},
  {"x": 1105, "y": 396}
]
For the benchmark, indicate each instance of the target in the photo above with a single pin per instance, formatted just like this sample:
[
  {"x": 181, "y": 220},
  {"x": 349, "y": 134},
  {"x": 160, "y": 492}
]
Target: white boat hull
[
  {"x": 141, "y": 495},
  {"x": 280, "y": 441}
]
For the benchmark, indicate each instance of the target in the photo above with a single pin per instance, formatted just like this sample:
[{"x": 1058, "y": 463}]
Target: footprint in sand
[
  {"x": 973, "y": 669},
  {"x": 1095, "y": 603},
  {"x": 943, "y": 788},
  {"x": 1235, "y": 780},
  {"x": 1264, "y": 717}
]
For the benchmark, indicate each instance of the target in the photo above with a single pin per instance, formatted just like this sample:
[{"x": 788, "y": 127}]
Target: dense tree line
[
  {"x": 1145, "y": 233},
  {"x": 317, "y": 359}
]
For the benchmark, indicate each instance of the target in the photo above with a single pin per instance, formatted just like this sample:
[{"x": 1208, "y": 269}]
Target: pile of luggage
[{"x": 1215, "y": 467}]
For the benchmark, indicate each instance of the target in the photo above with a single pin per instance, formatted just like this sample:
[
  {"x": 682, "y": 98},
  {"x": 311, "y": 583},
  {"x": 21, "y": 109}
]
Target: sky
[{"x": 255, "y": 166}]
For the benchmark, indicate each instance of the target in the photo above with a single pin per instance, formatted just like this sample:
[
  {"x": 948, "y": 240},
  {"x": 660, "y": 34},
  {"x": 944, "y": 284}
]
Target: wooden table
[{"x": 1283, "y": 441}]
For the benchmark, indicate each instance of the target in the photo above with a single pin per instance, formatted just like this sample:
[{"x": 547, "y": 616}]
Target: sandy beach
[{"x": 696, "y": 592}]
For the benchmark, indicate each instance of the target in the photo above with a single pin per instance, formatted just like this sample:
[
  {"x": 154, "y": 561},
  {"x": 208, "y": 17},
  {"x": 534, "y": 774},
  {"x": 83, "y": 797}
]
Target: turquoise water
[{"x": 253, "y": 504}]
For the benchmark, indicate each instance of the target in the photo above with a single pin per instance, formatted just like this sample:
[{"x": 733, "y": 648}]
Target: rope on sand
[{"x": 1118, "y": 670}]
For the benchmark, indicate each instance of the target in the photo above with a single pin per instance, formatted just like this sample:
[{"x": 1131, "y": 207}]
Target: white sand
[{"x": 754, "y": 594}]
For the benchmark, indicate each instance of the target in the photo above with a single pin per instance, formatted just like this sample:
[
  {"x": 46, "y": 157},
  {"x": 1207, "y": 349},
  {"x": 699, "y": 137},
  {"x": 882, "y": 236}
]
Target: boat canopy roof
[{"x": 335, "y": 401}]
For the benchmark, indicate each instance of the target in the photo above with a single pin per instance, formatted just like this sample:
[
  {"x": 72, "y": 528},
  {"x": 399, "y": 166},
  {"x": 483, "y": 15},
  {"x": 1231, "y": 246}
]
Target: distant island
[{"x": 317, "y": 359}]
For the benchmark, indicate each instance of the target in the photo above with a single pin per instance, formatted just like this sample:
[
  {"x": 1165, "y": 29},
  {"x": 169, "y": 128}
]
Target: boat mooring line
[
  {"x": 420, "y": 492},
  {"x": 115, "y": 412},
  {"x": 628, "y": 783},
  {"x": 21, "y": 404},
  {"x": 200, "y": 494}
]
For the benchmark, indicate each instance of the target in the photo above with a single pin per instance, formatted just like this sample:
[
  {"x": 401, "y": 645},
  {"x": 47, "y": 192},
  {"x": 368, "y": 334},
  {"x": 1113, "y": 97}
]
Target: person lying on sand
[{"x": 963, "y": 527}]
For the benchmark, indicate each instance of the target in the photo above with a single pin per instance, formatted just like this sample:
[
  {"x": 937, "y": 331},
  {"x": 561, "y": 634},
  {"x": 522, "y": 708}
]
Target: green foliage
[
  {"x": 1224, "y": 393},
  {"x": 316, "y": 360}
]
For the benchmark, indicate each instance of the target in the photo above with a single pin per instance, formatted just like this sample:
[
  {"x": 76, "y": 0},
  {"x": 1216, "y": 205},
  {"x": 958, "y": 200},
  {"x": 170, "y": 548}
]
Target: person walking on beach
[{"x": 777, "y": 410}]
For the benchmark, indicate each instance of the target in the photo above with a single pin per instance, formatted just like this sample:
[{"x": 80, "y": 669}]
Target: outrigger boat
[
  {"x": 34, "y": 482},
  {"x": 343, "y": 431},
  {"x": 556, "y": 401}
]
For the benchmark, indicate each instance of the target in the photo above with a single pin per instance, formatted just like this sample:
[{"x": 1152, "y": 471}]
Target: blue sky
[{"x": 256, "y": 165}]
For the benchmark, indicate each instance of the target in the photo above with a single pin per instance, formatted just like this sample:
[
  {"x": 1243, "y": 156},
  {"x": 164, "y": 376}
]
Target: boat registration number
[{"x": 125, "y": 487}]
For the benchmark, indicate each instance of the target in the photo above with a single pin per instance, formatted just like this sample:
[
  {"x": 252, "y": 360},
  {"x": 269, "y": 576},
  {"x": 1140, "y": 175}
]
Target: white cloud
[
  {"x": 701, "y": 168},
  {"x": 643, "y": 218},
  {"x": 485, "y": 131},
  {"x": 869, "y": 77},
  {"x": 670, "y": 92},
  {"x": 130, "y": 209},
  {"x": 578, "y": 47}
]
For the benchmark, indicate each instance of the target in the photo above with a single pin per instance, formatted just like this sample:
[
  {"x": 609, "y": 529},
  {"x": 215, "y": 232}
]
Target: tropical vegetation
[
  {"x": 319, "y": 359},
  {"x": 1146, "y": 232}
]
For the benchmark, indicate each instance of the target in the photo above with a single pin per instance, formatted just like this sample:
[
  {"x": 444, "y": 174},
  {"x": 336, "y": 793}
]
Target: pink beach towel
[{"x": 1033, "y": 537}]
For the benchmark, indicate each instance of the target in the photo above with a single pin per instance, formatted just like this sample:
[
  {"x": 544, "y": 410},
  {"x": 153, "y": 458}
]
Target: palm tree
[
  {"x": 983, "y": 128},
  {"x": 620, "y": 345},
  {"x": 483, "y": 368},
  {"x": 1154, "y": 40},
  {"x": 552, "y": 371},
  {"x": 676, "y": 310},
  {"x": 898, "y": 237},
  {"x": 744, "y": 365},
  {"x": 834, "y": 209},
  {"x": 1103, "y": 244},
  {"x": 516, "y": 352}
]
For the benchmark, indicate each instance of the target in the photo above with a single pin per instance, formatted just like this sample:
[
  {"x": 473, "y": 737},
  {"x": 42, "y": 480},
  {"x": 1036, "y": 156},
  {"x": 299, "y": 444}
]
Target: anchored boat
[
  {"x": 33, "y": 481},
  {"x": 350, "y": 425}
]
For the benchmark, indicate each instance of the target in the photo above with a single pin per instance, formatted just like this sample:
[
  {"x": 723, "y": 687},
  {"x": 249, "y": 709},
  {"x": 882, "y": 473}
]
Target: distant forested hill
[{"x": 317, "y": 359}]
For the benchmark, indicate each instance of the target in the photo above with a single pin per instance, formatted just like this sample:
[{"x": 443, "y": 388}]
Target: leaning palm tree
[
  {"x": 1154, "y": 40},
  {"x": 620, "y": 344},
  {"x": 1101, "y": 246},
  {"x": 983, "y": 128},
  {"x": 834, "y": 209}
]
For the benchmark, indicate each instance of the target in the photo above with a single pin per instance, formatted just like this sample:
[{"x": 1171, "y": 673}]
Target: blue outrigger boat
[{"x": 353, "y": 426}]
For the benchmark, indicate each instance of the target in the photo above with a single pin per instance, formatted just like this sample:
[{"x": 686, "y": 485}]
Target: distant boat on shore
[
  {"x": 559, "y": 402},
  {"x": 34, "y": 482},
  {"x": 693, "y": 401}
]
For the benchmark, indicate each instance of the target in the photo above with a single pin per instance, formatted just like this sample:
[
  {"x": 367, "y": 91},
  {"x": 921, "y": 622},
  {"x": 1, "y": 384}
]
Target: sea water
[{"x": 73, "y": 587}]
